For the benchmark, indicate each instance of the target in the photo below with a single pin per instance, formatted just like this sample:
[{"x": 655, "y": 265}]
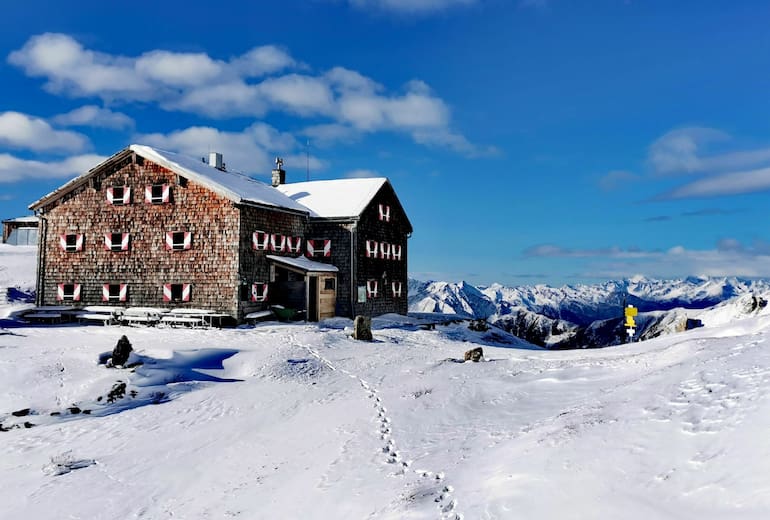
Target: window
[
  {"x": 68, "y": 292},
  {"x": 259, "y": 292},
  {"x": 397, "y": 288},
  {"x": 396, "y": 252},
  {"x": 371, "y": 289},
  {"x": 329, "y": 284},
  {"x": 116, "y": 241},
  {"x": 178, "y": 240},
  {"x": 260, "y": 240},
  {"x": 371, "y": 249},
  {"x": 277, "y": 243},
  {"x": 294, "y": 244},
  {"x": 71, "y": 243},
  {"x": 114, "y": 292},
  {"x": 119, "y": 195},
  {"x": 319, "y": 248},
  {"x": 157, "y": 193},
  {"x": 385, "y": 251},
  {"x": 176, "y": 292},
  {"x": 384, "y": 213}
]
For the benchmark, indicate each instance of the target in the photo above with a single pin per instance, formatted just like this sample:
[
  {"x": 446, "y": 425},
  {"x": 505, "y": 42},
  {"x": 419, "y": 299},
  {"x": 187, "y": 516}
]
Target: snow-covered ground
[{"x": 286, "y": 421}]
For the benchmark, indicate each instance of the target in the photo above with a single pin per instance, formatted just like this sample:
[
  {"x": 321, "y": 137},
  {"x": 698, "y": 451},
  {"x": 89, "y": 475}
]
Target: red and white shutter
[
  {"x": 384, "y": 212},
  {"x": 277, "y": 242},
  {"x": 60, "y": 292},
  {"x": 124, "y": 243},
  {"x": 310, "y": 249},
  {"x": 79, "y": 242},
  {"x": 385, "y": 251},
  {"x": 63, "y": 242},
  {"x": 371, "y": 249},
  {"x": 76, "y": 292},
  {"x": 108, "y": 241},
  {"x": 187, "y": 240},
  {"x": 186, "y": 292},
  {"x": 166, "y": 292},
  {"x": 110, "y": 196},
  {"x": 259, "y": 292},
  {"x": 294, "y": 244},
  {"x": 397, "y": 287},
  {"x": 106, "y": 292},
  {"x": 166, "y": 193},
  {"x": 148, "y": 193},
  {"x": 260, "y": 240},
  {"x": 170, "y": 240},
  {"x": 371, "y": 288},
  {"x": 327, "y": 248},
  {"x": 396, "y": 251},
  {"x": 126, "y": 196}
]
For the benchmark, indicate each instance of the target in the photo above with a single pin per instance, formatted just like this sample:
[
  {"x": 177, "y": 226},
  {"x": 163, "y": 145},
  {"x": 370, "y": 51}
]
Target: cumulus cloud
[
  {"x": 733, "y": 183},
  {"x": 410, "y": 6},
  {"x": 248, "y": 85},
  {"x": 92, "y": 115},
  {"x": 362, "y": 174},
  {"x": 26, "y": 132},
  {"x": 250, "y": 151},
  {"x": 13, "y": 169}
]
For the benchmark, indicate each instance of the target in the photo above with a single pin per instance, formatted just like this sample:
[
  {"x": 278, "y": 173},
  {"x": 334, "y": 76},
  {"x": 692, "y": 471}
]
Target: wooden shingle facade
[{"x": 148, "y": 228}]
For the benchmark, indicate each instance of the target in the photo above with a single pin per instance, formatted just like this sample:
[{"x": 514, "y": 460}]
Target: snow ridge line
[{"x": 445, "y": 501}]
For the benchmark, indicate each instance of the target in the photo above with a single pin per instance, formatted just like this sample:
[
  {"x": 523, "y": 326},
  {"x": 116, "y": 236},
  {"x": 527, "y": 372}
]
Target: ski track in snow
[{"x": 446, "y": 503}]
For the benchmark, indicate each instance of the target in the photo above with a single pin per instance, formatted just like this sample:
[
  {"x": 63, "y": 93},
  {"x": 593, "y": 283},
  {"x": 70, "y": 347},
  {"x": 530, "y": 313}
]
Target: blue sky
[{"x": 535, "y": 141}]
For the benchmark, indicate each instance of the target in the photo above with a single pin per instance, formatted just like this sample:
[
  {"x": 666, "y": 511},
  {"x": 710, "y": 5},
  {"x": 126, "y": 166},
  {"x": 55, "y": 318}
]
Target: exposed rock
[
  {"x": 478, "y": 325},
  {"x": 118, "y": 392},
  {"x": 121, "y": 351},
  {"x": 21, "y": 413},
  {"x": 474, "y": 355},
  {"x": 362, "y": 328},
  {"x": 74, "y": 410}
]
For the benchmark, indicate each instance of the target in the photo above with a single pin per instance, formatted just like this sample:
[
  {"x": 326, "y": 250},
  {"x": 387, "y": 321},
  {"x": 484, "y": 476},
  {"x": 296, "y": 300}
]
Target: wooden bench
[
  {"x": 183, "y": 320},
  {"x": 42, "y": 316},
  {"x": 106, "y": 319}
]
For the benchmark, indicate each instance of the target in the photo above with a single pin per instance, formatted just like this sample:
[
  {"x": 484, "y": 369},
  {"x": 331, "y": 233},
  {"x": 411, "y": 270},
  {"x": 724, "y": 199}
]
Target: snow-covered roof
[
  {"x": 334, "y": 198},
  {"x": 29, "y": 218},
  {"x": 304, "y": 264},
  {"x": 234, "y": 186}
]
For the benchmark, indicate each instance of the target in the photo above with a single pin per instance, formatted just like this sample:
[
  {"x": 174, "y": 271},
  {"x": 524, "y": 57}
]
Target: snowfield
[{"x": 299, "y": 421}]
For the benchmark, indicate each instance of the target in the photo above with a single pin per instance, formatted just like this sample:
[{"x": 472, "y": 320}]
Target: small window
[
  {"x": 178, "y": 240},
  {"x": 259, "y": 292},
  {"x": 115, "y": 292},
  {"x": 385, "y": 251},
  {"x": 119, "y": 195},
  {"x": 176, "y": 292},
  {"x": 116, "y": 241},
  {"x": 71, "y": 243},
  {"x": 372, "y": 289},
  {"x": 277, "y": 243},
  {"x": 294, "y": 244},
  {"x": 371, "y": 249},
  {"x": 319, "y": 248},
  {"x": 68, "y": 292},
  {"x": 329, "y": 284},
  {"x": 260, "y": 241},
  {"x": 384, "y": 212},
  {"x": 157, "y": 193}
]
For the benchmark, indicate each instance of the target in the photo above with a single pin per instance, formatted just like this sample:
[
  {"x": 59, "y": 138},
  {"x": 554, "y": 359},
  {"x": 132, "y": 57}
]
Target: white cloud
[
  {"x": 328, "y": 134},
  {"x": 410, "y": 6},
  {"x": 92, "y": 115},
  {"x": 250, "y": 151},
  {"x": 178, "y": 69},
  {"x": 13, "y": 169},
  {"x": 733, "y": 183},
  {"x": 22, "y": 131},
  {"x": 200, "y": 84}
]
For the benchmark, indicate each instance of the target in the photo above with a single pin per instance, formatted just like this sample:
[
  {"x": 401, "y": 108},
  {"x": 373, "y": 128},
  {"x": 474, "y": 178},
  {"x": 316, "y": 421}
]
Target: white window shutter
[
  {"x": 186, "y": 292},
  {"x": 385, "y": 251},
  {"x": 371, "y": 249},
  {"x": 167, "y": 292}
]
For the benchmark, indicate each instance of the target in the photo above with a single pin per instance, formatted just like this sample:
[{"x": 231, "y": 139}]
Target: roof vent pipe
[{"x": 279, "y": 174}]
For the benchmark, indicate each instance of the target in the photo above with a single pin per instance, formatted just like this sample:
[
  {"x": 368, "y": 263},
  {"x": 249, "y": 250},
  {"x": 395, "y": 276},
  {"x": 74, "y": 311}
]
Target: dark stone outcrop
[
  {"x": 121, "y": 351},
  {"x": 474, "y": 355}
]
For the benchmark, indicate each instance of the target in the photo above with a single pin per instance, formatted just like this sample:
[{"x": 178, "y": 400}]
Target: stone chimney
[{"x": 279, "y": 174}]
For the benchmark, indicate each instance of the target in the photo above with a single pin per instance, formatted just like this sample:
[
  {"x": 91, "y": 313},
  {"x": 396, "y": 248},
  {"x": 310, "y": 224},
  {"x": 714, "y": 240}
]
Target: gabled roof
[
  {"x": 234, "y": 186},
  {"x": 334, "y": 198}
]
